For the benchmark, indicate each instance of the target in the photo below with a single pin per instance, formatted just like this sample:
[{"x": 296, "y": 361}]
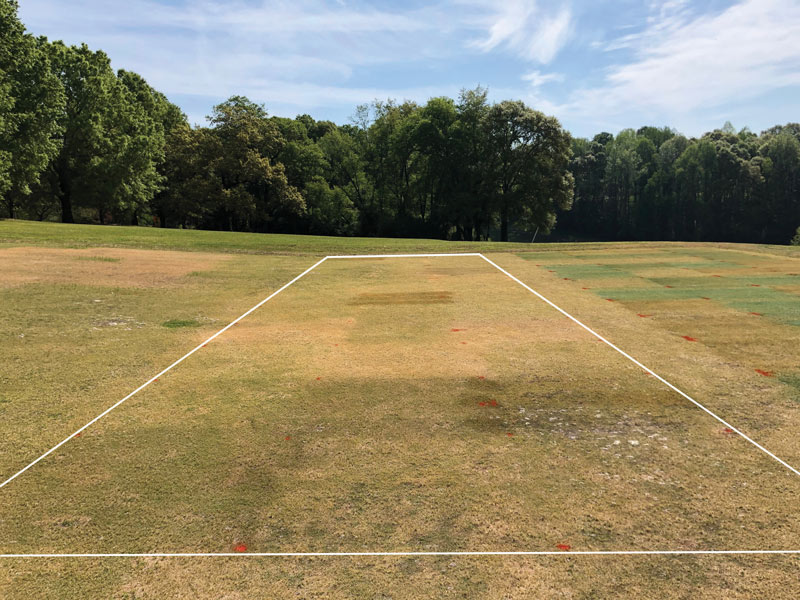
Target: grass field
[{"x": 422, "y": 404}]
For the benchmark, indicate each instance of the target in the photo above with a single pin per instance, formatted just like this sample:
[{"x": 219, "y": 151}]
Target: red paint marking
[
  {"x": 465, "y": 343},
  {"x": 688, "y": 338},
  {"x": 563, "y": 546},
  {"x": 716, "y": 275},
  {"x": 319, "y": 378},
  {"x": 240, "y": 548},
  {"x": 610, "y": 300},
  {"x": 705, "y": 298},
  {"x": 755, "y": 285},
  {"x": 669, "y": 286},
  {"x": 204, "y": 345},
  {"x": 510, "y": 434},
  {"x": 549, "y": 271},
  {"x": 456, "y": 329},
  {"x": 337, "y": 345},
  {"x": 727, "y": 430},
  {"x": 156, "y": 379},
  {"x": 585, "y": 288},
  {"x": 481, "y": 403},
  {"x": 481, "y": 377},
  {"x": 567, "y": 279},
  {"x": 643, "y": 316},
  {"x": 287, "y": 438},
  {"x": 77, "y": 435},
  {"x": 756, "y": 314},
  {"x": 765, "y": 373},
  {"x": 492, "y": 402}
]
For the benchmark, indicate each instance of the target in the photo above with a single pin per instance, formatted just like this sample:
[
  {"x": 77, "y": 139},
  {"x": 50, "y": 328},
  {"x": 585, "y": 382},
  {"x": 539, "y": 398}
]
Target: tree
[
  {"x": 250, "y": 191},
  {"x": 31, "y": 101},
  {"x": 782, "y": 187},
  {"x": 529, "y": 154},
  {"x": 110, "y": 146},
  {"x": 346, "y": 171}
]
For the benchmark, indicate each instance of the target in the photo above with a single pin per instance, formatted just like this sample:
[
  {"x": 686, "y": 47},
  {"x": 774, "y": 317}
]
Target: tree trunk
[
  {"x": 66, "y": 208},
  {"x": 504, "y": 222},
  {"x": 66, "y": 194}
]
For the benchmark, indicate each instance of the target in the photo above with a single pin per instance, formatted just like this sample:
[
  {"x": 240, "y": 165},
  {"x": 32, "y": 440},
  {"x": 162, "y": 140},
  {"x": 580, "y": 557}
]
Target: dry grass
[{"x": 425, "y": 404}]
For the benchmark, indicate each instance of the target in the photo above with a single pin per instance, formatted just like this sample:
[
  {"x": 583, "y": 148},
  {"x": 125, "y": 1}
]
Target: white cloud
[
  {"x": 684, "y": 63},
  {"x": 537, "y": 79},
  {"x": 527, "y": 29}
]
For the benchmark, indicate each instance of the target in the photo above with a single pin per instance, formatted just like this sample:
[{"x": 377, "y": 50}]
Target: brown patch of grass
[
  {"x": 437, "y": 297},
  {"x": 140, "y": 268}
]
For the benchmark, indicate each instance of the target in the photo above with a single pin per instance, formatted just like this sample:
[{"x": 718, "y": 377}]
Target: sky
[{"x": 597, "y": 65}]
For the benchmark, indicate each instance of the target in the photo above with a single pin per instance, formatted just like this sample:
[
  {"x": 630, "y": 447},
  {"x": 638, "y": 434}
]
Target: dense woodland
[{"x": 82, "y": 143}]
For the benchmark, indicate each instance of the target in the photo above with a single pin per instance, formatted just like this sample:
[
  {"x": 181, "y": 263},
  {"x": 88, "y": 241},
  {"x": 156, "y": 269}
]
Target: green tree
[
  {"x": 529, "y": 154},
  {"x": 110, "y": 146},
  {"x": 31, "y": 101},
  {"x": 252, "y": 191}
]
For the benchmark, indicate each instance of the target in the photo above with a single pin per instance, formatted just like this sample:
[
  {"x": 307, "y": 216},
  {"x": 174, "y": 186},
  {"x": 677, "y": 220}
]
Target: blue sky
[{"x": 597, "y": 65}]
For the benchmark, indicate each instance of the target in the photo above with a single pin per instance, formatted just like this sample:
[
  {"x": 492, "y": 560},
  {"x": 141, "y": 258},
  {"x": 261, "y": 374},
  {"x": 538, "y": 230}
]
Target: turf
[{"x": 415, "y": 404}]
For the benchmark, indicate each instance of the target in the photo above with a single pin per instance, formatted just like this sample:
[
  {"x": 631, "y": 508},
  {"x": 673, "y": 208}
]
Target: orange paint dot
[
  {"x": 669, "y": 286},
  {"x": 510, "y": 434},
  {"x": 481, "y": 377},
  {"x": 688, "y": 338},
  {"x": 481, "y": 403},
  {"x": 727, "y": 430},
  {"x": 464, "y": 343},
  {"x": 287, "y": 438},
  {"x": 77, "y": 435},
  {"x": 756, "y": 314},
  {"x": 240, "y": 548},
  {"x": 319, "y": 378},
  {"x": 755, "y": 285},
  {"x": 563, "y": 546},
  {"x": 643, "y": 316},
  {"x": 765, "y": 373},
  {"x": 456, "y": 330},
  {"x": 584, "y": 288},
  {"x": 610, "y": 300}
]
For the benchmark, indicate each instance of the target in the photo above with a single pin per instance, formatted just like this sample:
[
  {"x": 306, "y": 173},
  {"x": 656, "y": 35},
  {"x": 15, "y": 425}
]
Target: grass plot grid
[{"x": 403, "y": 407}]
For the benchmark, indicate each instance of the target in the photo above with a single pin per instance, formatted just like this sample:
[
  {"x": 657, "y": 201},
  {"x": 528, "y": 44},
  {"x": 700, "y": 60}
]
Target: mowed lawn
[{"x": 423, "y": 404}]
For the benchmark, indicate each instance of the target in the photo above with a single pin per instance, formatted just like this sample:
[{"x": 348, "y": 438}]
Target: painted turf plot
[{"x": 403, "y": 405}]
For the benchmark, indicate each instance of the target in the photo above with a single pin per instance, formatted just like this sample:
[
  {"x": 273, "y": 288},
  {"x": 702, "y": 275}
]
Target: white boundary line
[
  {"x": 432, "y": 553},
  {"x": 390, "y": 554}
]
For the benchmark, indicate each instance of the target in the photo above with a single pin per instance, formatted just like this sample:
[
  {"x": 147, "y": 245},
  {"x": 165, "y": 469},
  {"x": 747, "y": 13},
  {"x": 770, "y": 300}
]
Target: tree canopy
[{"x": 81, "y": 142}]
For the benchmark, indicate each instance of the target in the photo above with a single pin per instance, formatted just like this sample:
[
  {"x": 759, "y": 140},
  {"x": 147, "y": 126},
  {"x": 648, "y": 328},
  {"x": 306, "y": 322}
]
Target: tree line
[{"x": 81, "y": 142}]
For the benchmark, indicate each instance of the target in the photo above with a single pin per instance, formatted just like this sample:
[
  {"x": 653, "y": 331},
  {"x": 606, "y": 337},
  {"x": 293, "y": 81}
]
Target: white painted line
[
  {"x": 636, "y": 362},
  {"x": 160, "y": 373},
  {"x": 565, "y": 553},
  {"x": 405, "y": 255}
]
